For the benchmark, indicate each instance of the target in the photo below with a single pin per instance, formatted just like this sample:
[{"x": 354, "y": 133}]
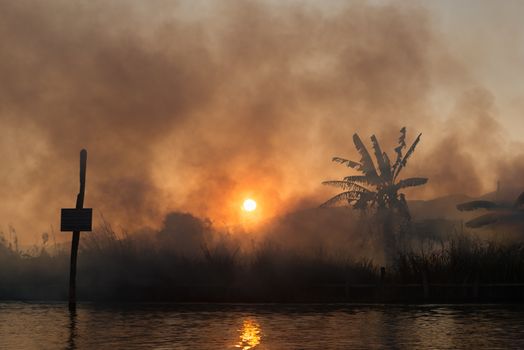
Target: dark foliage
[{"x": 501, "y": 213}]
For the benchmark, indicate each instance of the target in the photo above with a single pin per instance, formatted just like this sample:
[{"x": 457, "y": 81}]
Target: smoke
[
  {"x": 192, "y": 108},
  {"x": 184, "y": 233}
]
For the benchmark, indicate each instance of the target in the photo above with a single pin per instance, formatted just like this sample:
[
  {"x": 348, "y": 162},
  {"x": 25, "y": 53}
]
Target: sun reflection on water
[{"x": 250, "y": 336}]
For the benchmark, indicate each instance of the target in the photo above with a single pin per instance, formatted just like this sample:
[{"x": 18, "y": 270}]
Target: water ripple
[{"x": 273, "y": 326}]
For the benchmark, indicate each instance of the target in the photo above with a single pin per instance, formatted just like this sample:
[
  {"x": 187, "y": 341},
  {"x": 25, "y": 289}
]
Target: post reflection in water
[
  {"x": 71, "y": 345},
  {"x": 250, "y": 335}
]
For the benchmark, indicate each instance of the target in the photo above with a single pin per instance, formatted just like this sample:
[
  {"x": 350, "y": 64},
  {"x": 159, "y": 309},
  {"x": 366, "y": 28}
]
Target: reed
[{"x": 141, "y": 268}]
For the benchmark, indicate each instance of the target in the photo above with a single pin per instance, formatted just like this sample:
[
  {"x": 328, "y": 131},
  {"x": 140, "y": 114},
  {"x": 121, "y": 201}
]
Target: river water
[{"x": 267, "y": 326}]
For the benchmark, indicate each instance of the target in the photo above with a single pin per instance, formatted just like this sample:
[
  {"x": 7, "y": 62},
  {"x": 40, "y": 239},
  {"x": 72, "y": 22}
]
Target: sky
[{"x": 193, "y": 106}]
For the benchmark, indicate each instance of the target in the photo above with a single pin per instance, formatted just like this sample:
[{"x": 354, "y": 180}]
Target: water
[{"x": 204, "y": 326}]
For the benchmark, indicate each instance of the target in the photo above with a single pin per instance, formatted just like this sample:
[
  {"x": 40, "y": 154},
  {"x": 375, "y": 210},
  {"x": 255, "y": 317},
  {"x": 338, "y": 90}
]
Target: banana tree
[
  {"x": 500, "y": 213},
  {"x": 377, "y": 187}
]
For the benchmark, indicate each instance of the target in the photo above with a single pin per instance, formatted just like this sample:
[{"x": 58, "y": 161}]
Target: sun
[{"x": 249, "y": 205}]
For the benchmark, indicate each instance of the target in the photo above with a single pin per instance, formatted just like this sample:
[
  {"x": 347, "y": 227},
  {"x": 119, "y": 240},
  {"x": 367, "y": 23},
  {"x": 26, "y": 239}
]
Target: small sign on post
[{"x": 76, "y": 220}]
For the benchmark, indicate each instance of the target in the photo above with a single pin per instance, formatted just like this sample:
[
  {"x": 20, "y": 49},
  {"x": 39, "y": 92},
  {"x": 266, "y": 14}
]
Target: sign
[{"x": 76, "y": 219}]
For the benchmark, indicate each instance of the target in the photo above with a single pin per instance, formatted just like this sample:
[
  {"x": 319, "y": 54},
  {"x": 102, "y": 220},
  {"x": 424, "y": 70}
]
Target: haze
[{"x": 195, "y": 106}]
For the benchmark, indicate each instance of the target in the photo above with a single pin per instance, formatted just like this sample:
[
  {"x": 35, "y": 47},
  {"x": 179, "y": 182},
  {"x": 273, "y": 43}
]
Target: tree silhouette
[
  {"x": 377, "y": 187},
  {"x": 501, "y": 213}
]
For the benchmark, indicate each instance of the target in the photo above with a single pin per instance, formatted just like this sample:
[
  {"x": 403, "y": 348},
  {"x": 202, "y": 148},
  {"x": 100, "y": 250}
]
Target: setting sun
[{"x": 249, "y": 205}]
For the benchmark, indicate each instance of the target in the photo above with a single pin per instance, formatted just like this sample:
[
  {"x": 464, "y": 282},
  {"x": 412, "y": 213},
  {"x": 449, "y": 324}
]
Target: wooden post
[{"x": 76, "y": 234}]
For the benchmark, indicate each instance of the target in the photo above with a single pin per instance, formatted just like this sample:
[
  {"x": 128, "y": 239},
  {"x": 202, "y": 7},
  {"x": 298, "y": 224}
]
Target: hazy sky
[{"x": 195, "y": 105}]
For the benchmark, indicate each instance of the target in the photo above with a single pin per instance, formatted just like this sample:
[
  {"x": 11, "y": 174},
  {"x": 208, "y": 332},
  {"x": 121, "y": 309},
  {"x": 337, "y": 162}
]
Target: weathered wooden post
[{"x": 76, "y": 220}]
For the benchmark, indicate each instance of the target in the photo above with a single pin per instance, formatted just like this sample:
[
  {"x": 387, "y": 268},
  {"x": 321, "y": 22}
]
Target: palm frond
[
  {"x": 349, "y": 163},
  {"x": 402, "y": 137},
  {"x": 368, "y": 167},
  {"x": 348, "y": 196},
  {"x": 474, "y": 205},
  {"x": 383, "y": 166},
  {"x": 346, "y": 185},
  {"x": 388, "y": 164},
  {"x": 410, "y": 151},
  {"x": 363, "y": 179},
  {"x": 483, "y": 220},
  {"x": 411, "y": 182},
  {"x": 496, "y": 218},
  {"x": 400, "y": 147}
]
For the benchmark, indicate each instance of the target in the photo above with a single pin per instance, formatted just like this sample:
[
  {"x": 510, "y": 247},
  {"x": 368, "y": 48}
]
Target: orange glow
[
  {"x": 226, "y": 205},
  {"x": 250, "y": 336},
  {"x": 249, "y": 204}
]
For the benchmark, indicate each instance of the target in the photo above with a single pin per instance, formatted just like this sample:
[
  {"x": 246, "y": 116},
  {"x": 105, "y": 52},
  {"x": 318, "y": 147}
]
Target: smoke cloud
[{"x": 192, "y": 108}]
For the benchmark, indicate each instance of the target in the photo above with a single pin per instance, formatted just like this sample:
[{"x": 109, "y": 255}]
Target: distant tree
[
  {"x": 377, "y": 187},
  {"x": 501, "y": 213}
]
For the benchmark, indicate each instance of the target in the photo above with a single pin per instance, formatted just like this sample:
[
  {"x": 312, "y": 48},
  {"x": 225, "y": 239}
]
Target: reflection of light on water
[{"x": 250, "y": 336}]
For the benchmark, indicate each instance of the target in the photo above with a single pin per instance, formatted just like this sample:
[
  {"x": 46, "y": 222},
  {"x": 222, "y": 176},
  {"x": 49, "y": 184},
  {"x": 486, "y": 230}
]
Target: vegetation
[
  {"x": 181, "y": 263},
  {"x": 378, "y": 186},
  {"x": 130, "y": 268},
  {"x": 501, "y": 213},
  {"x": 462, "y": 259}
]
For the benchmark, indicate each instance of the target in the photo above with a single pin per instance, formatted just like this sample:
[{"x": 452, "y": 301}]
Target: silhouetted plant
[
  {"x": 501, "y": 213},
  {"x": 378, "y": 186},
  {"x": 463, "y": 259}
]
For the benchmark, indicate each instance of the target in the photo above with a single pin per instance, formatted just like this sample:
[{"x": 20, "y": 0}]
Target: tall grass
[
  {"x": 463, "y": 259},
  {"x": 149, "y": 268}
]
